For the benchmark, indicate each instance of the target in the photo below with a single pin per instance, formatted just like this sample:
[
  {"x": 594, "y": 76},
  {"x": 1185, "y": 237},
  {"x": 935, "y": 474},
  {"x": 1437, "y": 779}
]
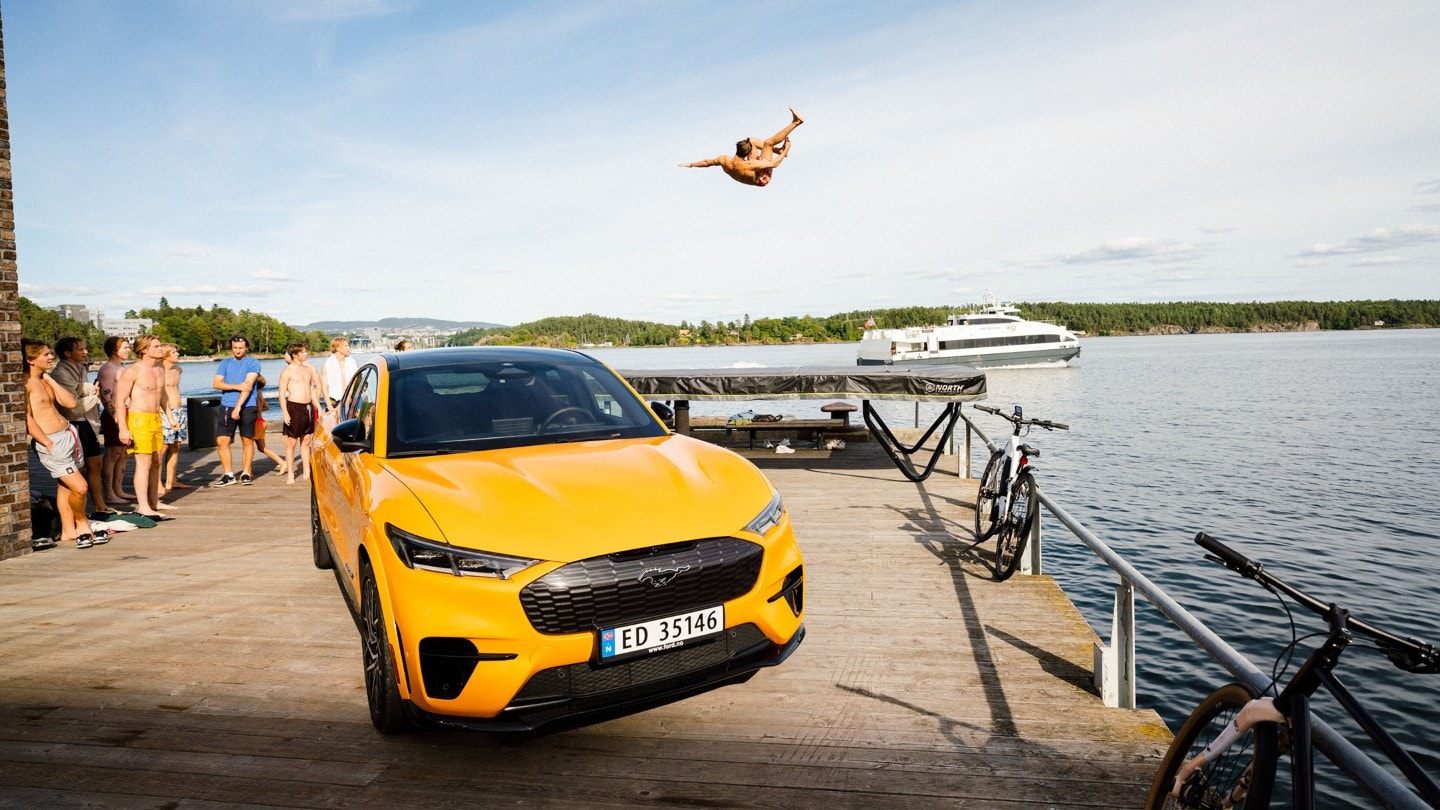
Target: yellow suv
[{"x": 523, "y": 544}]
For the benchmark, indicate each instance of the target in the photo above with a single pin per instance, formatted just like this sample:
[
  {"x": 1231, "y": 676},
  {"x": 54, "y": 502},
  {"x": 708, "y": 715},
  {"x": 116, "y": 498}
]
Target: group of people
[
  {"x": 85, "y": 430},
  {"x": 302, "y": 394}
]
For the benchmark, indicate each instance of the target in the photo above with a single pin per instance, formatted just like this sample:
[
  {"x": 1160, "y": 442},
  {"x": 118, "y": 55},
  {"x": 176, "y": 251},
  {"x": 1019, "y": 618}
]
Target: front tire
[
  {"x": 387, "y": 708},
  {"x": 986, "y": 496},
  {"x": 319, "y": 544},
  {"x": 1241, "y": 777}
]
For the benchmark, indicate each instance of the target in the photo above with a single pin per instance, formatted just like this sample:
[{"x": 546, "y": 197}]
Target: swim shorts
[
  {"x": 245, "y": 424},
  {"x": 89, "y": 443},
  {"x": 109, "y": 428},
  {"x": 64, "y": 455},
  {"x": 181, "y": 431},
  {"x": 302, "y": 420},
  {"x": 146, "y": 433}
]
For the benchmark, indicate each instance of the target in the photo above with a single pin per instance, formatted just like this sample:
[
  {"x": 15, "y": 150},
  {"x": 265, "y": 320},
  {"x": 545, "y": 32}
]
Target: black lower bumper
[{"x": 580, "y": 694}]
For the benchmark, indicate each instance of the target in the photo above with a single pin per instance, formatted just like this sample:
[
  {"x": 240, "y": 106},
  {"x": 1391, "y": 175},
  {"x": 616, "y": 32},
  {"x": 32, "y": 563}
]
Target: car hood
[{"x": 565, "y": 502}]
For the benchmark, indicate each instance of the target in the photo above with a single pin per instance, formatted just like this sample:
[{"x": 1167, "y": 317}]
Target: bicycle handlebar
[
  {"x": 1020, "y": 420},
  {"x": 1405, "y": 653}
]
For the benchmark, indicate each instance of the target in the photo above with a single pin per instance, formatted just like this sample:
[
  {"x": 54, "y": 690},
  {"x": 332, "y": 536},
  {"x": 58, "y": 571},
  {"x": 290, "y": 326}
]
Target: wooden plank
[{"x": 207, "y": 662}]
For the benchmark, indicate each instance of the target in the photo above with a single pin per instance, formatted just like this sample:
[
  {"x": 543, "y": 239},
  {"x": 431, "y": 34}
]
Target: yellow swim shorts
[{"x": 146, "y": 432}]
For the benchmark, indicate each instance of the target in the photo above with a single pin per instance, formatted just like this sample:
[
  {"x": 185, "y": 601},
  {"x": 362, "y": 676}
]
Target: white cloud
[
  {"x": 1377, "y": 240},
  {"x": 1135, "y": 249}
]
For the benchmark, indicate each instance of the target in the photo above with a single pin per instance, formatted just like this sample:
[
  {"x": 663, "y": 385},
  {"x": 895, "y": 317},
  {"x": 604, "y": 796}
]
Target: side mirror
[
  {"x": 350, "y": 436},
  {"x": 663, "y": 411}
]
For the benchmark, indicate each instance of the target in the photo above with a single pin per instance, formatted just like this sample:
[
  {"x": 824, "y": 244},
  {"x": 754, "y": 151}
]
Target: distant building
[
  {"x": 128, "y": 328},
  {"x": 75, "y": 312}
]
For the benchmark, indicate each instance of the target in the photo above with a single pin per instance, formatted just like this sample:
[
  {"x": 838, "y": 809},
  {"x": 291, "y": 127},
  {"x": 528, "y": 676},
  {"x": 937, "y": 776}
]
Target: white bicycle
[{"x": 1007, "y": 505}]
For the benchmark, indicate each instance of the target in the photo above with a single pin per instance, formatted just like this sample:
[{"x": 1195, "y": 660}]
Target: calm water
[{"x": 1315, "y": 453}]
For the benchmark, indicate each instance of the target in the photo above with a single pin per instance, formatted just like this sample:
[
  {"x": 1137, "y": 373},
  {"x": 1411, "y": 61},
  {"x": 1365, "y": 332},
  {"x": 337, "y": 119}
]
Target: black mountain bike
[
  {"x": 1227, "y": 752},
  {"x": 1006, "y": 504}
]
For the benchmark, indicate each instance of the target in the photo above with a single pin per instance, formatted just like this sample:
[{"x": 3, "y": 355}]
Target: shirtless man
[
  {"x": 117, "y": 351},
  {"x": 56, "y": 442},
  {"x": 754, "y": 160},
  {"x": 177, "y": 422},
  {"x": 140, "y": 398},
  {"x": 72, "y": 371},
  {"x": 299, "y": 402}
]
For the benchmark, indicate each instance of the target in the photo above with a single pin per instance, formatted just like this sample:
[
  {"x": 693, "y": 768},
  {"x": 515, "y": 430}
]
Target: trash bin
[{"x": 204, "y": 416}]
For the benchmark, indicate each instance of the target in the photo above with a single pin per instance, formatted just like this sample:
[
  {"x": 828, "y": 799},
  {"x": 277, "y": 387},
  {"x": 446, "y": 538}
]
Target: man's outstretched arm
[{"x": 700, "y": 164}]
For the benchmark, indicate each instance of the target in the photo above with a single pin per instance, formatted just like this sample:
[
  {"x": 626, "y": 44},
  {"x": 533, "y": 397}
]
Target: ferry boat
[{"x": 995, "y": 336}]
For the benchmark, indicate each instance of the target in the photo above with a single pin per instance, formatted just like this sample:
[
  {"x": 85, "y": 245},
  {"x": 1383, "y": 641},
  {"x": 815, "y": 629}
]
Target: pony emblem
[{"x": 660, "y": 577}]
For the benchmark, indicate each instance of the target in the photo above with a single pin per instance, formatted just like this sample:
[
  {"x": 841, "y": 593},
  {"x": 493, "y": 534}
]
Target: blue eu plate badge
[{"x": 607, "y": 643}]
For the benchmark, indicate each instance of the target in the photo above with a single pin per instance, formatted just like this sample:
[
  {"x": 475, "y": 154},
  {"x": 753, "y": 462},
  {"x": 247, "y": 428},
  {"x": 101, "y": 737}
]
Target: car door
[{"x": 354, "y": 468}]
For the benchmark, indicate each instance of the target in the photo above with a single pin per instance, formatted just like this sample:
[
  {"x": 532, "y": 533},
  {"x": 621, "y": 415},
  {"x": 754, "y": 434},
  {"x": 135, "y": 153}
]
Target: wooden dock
[{"x": 207, "y": 663}]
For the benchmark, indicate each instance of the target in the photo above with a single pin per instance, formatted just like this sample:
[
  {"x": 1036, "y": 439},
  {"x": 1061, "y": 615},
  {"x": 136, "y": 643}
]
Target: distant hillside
[{"x": 398, "y": 325}]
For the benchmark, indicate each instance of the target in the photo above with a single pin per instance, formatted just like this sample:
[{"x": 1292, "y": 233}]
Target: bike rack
[{"x": 1115, "y": 662}]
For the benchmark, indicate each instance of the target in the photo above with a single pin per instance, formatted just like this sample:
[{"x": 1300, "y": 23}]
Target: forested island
[
  {"x": 1088, "y": 319},
  {"x": 204, "y": 332}
]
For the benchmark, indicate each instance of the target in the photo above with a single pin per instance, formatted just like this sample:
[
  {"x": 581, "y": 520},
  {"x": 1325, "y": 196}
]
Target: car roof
[{"x": 461, "y": 355}]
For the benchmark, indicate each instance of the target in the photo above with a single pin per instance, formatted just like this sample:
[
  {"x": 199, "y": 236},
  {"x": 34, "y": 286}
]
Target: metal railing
[{"x": 1115, "y": 662}]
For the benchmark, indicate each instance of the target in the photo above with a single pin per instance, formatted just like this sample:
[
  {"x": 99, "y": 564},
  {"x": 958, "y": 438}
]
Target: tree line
[
  {"x": 1093, "y": 319},
  {"x": 200, "y": 332},
  {"x": 197, "y": 331}
]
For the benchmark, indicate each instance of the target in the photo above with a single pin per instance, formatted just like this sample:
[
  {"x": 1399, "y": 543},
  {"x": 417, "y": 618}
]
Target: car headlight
[
  {"x": 428, "y": 555},
  {"x": 768, "y": 518}
]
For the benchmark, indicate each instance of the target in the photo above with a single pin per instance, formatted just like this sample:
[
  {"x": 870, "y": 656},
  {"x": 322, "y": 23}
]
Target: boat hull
[{"x": 1047, "y": 356}]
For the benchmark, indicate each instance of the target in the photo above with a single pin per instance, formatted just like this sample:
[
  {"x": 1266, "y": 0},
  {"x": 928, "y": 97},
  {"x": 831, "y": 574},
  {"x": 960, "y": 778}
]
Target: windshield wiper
[
  {"x": 428, "y": 451},
  {"x": 588, "y": 437}
]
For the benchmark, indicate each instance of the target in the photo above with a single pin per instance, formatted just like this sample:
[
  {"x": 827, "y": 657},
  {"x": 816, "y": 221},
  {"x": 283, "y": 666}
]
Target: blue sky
[{"x": 361, "y": 159}]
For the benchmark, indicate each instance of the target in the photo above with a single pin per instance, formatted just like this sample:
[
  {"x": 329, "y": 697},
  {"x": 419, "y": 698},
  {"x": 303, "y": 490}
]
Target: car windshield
[{"x": 487, "y": 405}]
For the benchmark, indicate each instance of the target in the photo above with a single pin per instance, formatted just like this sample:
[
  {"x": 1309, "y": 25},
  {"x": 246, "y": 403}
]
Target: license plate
[{"x": 655, "y": 635}]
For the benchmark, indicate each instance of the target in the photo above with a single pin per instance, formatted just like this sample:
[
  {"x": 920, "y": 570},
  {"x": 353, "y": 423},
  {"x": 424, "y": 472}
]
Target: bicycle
[
  {"x": 1006, "y": 504},
  {"x": 1226, "y": 753}
]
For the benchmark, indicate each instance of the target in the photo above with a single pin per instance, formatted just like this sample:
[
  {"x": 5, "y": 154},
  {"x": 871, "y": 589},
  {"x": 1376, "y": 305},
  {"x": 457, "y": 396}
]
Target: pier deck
[{"x": 207, "y": 663}]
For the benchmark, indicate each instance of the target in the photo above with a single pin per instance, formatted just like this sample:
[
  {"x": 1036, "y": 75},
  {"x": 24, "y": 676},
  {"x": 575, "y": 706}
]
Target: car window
[
  {"x": 366, "y": 384},
  {"x": 480, "y": 405}
]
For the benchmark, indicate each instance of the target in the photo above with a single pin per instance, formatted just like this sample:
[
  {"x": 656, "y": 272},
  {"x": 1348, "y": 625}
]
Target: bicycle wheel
[
  {"x": 1241, "y": 777},
  {"x": 1015, "y": 526},
  {"x": 986, "y": 497}
]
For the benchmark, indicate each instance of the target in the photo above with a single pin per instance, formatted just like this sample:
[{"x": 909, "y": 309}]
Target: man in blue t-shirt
[{"x": 237, "y": 379}]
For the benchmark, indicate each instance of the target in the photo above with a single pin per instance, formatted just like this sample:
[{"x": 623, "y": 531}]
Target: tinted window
[{"x": 477, "y": 406}]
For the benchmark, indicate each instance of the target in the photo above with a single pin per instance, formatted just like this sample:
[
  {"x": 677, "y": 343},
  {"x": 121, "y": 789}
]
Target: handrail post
[
  {"x": 1030, "y": 558},
  {"x": 963, "y": 462},
  {"x": 1115, "y": 663}
]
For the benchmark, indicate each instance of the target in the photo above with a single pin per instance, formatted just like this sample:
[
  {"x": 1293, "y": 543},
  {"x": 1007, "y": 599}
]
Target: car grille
[{"x": 642, "y": 584}]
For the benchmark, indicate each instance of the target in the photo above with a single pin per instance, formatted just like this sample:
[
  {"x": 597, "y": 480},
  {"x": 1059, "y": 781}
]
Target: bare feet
[
  {"x": 166, "y": 507},
  {"x": 796, "y": 116},
  {"x": 178, "y": 485}
]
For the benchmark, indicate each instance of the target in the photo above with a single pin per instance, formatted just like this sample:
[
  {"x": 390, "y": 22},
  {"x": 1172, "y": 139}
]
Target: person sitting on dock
[{"x": 754, "y": 160}]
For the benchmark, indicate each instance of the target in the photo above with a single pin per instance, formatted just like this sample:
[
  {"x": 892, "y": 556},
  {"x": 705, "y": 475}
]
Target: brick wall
[{"x": 14, "y": 464}]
